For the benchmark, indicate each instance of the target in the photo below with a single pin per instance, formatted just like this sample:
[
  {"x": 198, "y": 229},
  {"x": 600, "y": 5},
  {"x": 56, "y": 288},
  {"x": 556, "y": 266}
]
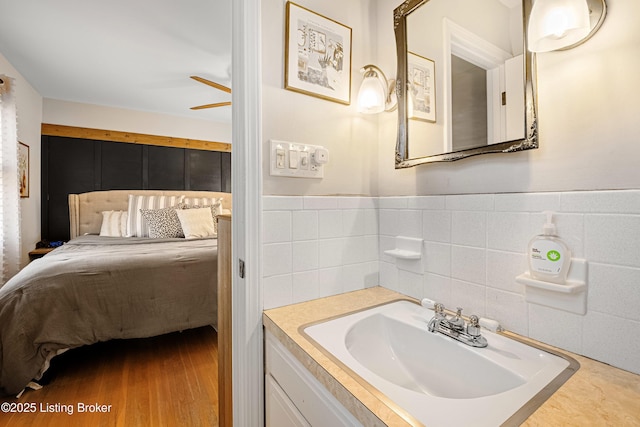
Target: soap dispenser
[{"x": 549, "y": 255}]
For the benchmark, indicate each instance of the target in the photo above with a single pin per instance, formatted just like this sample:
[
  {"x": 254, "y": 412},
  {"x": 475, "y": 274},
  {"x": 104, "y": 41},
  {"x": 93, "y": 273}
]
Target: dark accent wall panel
[
  {"x": 70, "y": 168},
  {"x": 72, "y": 165},
  {"x": 225, "y": 168},
  {"x": 204, "y": 170},
  {"x": 166, "y": 168},
  {"x": 121, "y": 166}
]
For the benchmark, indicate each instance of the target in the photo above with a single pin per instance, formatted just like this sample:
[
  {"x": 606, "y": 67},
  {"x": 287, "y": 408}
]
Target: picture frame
[
  {"x": 23, "y": 169},
  {"x": 317, "y": 55},
  {"x": 421, "y": 91}
]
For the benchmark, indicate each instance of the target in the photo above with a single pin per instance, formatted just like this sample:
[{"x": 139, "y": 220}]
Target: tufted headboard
[{"x": 85, "y": 210}]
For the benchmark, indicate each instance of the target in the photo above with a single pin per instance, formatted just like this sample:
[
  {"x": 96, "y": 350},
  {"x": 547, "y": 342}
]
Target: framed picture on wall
[
  {"x": 317, "y": 55},
  {"x": 422, "y": 95},
  {"x": 23, "y": 169}
]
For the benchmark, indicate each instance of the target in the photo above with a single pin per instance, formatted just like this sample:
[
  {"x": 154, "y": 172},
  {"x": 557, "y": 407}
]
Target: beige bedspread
[{"x": 100, "y": 288}]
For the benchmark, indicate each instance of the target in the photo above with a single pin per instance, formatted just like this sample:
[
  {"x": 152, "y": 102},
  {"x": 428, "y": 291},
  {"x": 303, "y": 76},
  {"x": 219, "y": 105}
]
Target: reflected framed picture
[
  {"x": 23, "y": 169},
  {"x": 317, "y": 55},
  {"x": 421, "y": 89}
]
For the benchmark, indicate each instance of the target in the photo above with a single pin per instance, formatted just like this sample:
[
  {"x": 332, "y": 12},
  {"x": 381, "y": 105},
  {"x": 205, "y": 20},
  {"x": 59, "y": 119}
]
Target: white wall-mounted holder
[
  {"x": 570, "y": 296},
  {"x": 408, "y": 253}
]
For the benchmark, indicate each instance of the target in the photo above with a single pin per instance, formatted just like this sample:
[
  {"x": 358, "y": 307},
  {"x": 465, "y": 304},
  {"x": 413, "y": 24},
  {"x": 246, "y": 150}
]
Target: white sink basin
[{"x": 439, "y": 381}]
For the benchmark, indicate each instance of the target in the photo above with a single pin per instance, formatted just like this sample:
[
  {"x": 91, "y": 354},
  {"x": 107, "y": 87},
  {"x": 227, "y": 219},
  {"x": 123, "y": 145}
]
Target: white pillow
[
  {"x": 114, "y": 224},
  {"x": 197, "y": 222},
  {"x": 136, "y": 225}
]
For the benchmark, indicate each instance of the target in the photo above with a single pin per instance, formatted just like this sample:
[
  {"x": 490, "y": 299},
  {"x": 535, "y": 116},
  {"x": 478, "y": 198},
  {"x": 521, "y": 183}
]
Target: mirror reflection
[{"x": 464, "y": 79}]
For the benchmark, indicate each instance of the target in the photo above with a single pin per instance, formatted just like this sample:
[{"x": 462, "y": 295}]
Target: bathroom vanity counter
[{"x": 597, "y": 394}]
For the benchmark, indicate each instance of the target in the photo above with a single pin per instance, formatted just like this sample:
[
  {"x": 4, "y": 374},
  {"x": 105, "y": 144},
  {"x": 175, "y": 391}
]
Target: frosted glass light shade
[
  {"x": 556, "y": 24},
  {"x": 372, "y": 95}
]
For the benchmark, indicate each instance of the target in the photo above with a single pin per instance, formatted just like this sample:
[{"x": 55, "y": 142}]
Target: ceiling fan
[{"x": 215, "y": 85}]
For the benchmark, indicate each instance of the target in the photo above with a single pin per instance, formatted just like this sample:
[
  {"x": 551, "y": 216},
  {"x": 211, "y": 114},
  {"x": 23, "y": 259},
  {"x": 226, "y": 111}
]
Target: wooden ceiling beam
[{"x": 132, "y": 138}]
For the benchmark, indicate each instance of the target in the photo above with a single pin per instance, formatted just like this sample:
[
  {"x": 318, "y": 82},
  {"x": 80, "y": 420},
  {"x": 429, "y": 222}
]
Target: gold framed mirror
[{"x": 466, "y": 82}]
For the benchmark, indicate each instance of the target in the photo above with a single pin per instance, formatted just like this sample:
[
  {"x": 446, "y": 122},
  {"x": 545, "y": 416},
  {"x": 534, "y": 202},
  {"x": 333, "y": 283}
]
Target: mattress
[{"x": 95, "y": 289}]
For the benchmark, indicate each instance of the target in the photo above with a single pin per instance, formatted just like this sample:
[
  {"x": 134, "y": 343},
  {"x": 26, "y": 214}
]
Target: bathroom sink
[
  {"x": 414, "y": 359},
  {"x": 434, "y": 379}
]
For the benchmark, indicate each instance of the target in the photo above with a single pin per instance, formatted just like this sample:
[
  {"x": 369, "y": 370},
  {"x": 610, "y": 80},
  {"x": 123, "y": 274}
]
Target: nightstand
[{"x": 39, "y": 253}]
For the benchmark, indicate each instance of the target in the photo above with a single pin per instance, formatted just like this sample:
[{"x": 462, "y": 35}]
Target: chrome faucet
[{"x": 456, "y": 328}]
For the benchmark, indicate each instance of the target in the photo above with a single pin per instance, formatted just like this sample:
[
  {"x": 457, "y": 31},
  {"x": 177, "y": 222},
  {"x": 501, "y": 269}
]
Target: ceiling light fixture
[{"x": 563, "y": 24}]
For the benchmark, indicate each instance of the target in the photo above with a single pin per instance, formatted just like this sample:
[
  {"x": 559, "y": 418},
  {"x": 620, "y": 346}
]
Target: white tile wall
[
  {"x": 305, "y": 225},
  {"x": 330, "y": 281},
  {"x": 304, "y": 256},
  {"x": 318, "y": 246},
  {"x": 436, "y": 226},
  {"x": 502, "y": 267},
  {"x": 532, "y": 202},
  {"x": 614, "y": 289},
  {"x": 277, "y": 227},
  {"x": 438, "y": 258},
  {"x": 329, "y": 224},
  {"x": 556, "y": 327},
  {"x": 469, "y": 228},
  {"x": 474, "y": 246},
  {"x": 511, "y": 231},
  {"x": 305, "y": 286},
  {"x": 276, "y": 259},
  {"x": 613, "y": 239},
  {"x": 606, "y": 337},
  {"x": 435, "y": 286},
  {"x": 469, "y": 264},
  {"x": 624, "y": 202}
]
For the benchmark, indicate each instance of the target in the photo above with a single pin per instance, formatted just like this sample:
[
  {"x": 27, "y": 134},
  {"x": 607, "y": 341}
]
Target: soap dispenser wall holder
[
  {"x": 408, "y": 254},
  {"x": 570, "y": 296}
]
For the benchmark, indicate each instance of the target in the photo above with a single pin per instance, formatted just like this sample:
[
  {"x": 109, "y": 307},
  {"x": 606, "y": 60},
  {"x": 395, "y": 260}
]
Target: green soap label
[{"x": 553, "y": 256}]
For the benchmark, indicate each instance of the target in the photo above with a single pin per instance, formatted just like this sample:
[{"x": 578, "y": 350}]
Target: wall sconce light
[
  {"x": 377, "y": 94},
  {"x": 563, "y": 24}
]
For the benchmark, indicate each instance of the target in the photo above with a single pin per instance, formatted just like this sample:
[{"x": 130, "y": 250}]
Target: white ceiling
[{"x": 133, "y": 54}]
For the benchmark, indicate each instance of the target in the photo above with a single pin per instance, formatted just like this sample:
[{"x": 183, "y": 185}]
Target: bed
[{"x": 96, "y": 288}]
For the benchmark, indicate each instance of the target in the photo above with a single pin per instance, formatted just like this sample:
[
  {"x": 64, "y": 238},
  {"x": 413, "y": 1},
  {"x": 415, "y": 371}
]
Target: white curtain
[{"x": 9, "y": 184}]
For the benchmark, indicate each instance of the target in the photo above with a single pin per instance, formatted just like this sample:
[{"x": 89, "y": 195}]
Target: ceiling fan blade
[
  {"x": 218, "y": 104},
  {"x": 212, "y": 84}
]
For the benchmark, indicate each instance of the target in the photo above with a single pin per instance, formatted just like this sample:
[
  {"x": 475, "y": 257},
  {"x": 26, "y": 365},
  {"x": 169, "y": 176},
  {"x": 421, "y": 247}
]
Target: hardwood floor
[{"x": 170, "y": 380}]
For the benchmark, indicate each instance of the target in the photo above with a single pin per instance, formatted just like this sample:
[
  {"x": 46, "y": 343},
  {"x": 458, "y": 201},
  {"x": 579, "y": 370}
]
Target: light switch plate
[
  {"x": 298, "y": 159},
  {"x": 294, "y": 155},
  {"x": 304, "y": 160},
  {"x": 280, "y": 156}
]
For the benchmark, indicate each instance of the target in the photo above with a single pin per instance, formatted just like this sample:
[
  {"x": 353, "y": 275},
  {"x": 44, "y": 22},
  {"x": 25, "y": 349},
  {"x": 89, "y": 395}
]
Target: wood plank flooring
[{"x": 170, "y": 380}]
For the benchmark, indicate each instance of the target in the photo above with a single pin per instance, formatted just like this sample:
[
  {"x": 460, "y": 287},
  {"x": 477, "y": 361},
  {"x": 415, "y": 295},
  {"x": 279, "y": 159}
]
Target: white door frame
[
  {"x": 461, "y": 42},
  {"x": 247, "y": 347}
]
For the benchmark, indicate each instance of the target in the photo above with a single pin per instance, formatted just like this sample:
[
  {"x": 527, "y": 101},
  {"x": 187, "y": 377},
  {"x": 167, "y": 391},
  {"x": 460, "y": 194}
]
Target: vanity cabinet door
[
  {"x": 280, "y": 411},
  {"x": 300, "y": 389}
]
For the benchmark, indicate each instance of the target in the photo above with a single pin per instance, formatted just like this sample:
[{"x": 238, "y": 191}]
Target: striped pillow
[
  {"x": 136, "y": 225},
  {"x": 114, "y": 224}
]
